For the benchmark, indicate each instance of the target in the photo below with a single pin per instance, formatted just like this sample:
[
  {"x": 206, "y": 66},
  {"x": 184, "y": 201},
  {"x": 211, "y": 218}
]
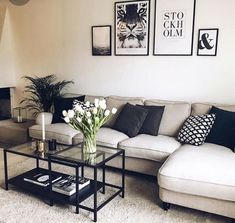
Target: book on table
[
  {"x": 41, "y": 178},
  {"x": 67, "y": 185}
]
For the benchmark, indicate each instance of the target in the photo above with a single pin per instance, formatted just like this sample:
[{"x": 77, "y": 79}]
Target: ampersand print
[{"x": 205, "y": 42}]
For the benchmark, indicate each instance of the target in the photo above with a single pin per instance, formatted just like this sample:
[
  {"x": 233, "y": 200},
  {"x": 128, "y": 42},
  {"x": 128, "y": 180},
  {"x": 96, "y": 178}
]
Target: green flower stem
[
  {"x": 89, "y": 130},
  {"x": 89, "y": 144}
]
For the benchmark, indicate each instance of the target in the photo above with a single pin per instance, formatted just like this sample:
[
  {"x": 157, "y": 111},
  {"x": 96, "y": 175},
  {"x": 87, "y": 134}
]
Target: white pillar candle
[
  {"x": 43, "y": 127},
  {"x": 19, "y": 118}
]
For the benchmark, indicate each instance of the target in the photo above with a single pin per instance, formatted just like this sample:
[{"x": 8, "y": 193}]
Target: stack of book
[
  {"x": 41, "y": 178},
  {"x": 61, "y": 184},
  {"x": 67, "y": 186}
]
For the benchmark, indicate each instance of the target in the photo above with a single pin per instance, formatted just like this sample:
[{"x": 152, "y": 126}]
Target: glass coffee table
[
  {"x": 27, "y": 150},
  {"x": 71, "y": 156}
]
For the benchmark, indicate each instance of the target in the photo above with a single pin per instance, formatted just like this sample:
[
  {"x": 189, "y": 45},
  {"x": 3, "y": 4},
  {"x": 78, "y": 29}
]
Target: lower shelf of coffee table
[{"x": 43, "y": 192}]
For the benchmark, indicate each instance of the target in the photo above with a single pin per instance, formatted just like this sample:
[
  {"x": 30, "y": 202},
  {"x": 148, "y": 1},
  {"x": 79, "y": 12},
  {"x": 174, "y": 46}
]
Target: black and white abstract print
[
  {"x": 132, "y": 27},
  {"x": 101, "y": 40}
]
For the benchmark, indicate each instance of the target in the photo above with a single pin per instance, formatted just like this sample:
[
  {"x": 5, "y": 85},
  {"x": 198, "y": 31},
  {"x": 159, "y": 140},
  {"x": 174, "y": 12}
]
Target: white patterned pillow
[
  {"x": 83, "y": 105},
  {"x": 196, "y": 129}
]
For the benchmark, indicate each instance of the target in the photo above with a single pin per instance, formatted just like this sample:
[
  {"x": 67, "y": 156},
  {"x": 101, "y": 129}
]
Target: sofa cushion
[
  {"x": 156, "y": 148},
  {"x": 91, "y": 98},
  {"x": 61, "y": 104},
  {"x": 196, "y": 129},
  {"x": 174, "y": 115},
  {"x": 130, "y": 119},
  {"x": 222, "y": 132},
  {"x": 118, "y": 103},
  {"x": 106, "y": 137},
  {"x": 153, "y": 120},
  {"x": 206, "y": 170},
  {"x": 62, "y": 132},
  {"x": 204, "y": 108}
]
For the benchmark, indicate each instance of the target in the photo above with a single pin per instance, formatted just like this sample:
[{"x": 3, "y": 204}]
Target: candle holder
[
  {"x": 41, "y": 146},
  {"x": 19, "y": 115}
]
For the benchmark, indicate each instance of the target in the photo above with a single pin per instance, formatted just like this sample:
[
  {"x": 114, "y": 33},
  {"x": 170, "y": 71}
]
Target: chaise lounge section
[{"x": 201, "y": 178}]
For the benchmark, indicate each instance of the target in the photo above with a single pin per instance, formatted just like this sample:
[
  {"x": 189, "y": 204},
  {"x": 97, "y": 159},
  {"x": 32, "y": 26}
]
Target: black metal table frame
[
  {"x": 101, "y": 165},
  {"x": 77, "y": 165},
  {"x": 5, "y": 151}
]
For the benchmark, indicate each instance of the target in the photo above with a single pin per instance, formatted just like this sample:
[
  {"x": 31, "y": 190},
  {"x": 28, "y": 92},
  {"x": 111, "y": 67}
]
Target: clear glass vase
[{"x": 89, "y": 144}]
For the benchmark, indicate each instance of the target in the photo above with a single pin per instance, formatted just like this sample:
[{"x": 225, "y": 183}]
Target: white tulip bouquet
[{"x": 88, "y": 118}]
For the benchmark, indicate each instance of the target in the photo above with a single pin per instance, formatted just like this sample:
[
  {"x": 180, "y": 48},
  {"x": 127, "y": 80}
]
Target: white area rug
[{"x": 141, "y": 204}]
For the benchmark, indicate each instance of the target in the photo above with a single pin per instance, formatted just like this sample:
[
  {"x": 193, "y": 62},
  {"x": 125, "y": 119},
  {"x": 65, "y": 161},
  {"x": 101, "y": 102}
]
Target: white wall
[
  {"x": 38, "y": 38},
  {"x": 177, "y": 78},
  {"x": 54, "y": 36},
  {"x": 7, "y": 55}
]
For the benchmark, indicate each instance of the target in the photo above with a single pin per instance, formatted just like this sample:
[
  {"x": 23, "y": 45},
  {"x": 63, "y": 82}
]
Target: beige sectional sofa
[{"x": 197, "y": 177}]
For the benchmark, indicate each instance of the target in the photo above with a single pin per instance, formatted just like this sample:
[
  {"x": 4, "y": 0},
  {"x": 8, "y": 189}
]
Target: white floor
[{"x": 139, "y": 205}]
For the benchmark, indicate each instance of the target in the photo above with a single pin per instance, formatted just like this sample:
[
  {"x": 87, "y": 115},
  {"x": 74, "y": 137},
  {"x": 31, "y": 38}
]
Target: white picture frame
[{"x": 174, "y": 27}]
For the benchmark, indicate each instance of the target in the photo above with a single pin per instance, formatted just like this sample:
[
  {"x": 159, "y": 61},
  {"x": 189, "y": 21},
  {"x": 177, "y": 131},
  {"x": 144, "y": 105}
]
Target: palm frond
[{"x": 42, "y": 92}]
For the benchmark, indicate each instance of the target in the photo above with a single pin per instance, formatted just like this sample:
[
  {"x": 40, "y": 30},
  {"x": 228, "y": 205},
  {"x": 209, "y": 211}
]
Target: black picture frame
[
  {"x": 205, "y": 46},
  {"x": 104, "y": 48},
  {"x": 147, "y": 32},
  {"x": 192, "y": 33}
]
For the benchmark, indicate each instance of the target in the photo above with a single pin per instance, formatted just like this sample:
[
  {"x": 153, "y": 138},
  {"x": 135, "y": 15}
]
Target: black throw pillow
[
  {"x": 61, "y": 104},
  {"x": 222, "y": 132},
  {"x": 153, "y": 120},
  {"x": 130, "y": 120}
]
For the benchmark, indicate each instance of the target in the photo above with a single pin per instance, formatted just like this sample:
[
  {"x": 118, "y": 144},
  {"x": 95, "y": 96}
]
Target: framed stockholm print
[
  {"x": 174, "y": 27},
  {"x": 207, "y": 42},
  {"x": 132, "y": 28},
  {"x": 101, "y": 40}
]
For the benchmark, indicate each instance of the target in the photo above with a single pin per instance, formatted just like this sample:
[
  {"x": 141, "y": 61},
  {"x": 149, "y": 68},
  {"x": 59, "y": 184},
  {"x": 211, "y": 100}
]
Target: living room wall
[
  {"x": 7, "y": 55},
  {"x": 54, "y": 36}
]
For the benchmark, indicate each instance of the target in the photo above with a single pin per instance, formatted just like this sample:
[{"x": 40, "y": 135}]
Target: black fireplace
[{"x": 5, "y": 103}]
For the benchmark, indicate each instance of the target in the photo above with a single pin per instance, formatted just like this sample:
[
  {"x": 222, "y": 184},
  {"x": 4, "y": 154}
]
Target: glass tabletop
[
  {"x": 76, "y": 155},
  {"x": 29, "y": 149}
]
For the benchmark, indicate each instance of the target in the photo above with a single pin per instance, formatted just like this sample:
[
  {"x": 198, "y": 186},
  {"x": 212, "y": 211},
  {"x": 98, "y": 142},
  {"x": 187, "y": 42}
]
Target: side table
[{"x": 15, "y": 133}]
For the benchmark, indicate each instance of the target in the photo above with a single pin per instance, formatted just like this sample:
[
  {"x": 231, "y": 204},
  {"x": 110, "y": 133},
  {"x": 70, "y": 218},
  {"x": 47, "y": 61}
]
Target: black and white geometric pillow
[
  {"x": 83, "y": 104},
  {"x": 196, "y": 129}
]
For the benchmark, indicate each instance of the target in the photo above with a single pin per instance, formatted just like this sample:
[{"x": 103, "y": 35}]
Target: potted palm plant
[{"x": 42, "y": 92}]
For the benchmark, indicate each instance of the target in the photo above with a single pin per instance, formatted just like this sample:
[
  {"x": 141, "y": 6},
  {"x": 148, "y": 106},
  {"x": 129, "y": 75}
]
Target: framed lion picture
[{"x": 132, "y": 28}]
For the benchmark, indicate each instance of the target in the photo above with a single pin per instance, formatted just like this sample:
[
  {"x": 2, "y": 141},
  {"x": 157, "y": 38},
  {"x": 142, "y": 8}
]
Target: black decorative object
[
  {"x": 52, "y": 145},
  {"x": 153, "y": 120},
  {"x": 101, "y": 40},
  {"x": 174, "y": 27},
  {"x": 61, "y": 104},
  {"x": 196, "y": 129},
  {"x": 132, "y": 21},
  {"x": 207, "y": 42},
  {"x": 223, "y": 130},
  {"x": 130, "y": 120}
]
